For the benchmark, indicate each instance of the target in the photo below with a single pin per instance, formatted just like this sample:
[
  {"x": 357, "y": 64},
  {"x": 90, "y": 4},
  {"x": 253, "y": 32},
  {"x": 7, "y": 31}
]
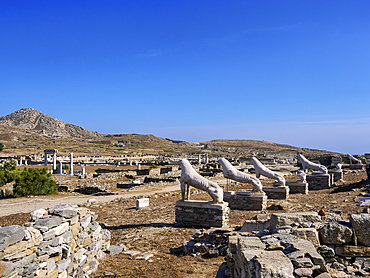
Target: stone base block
[
  {"x": 201, "y": 214},
  {"x": 337, "y": 175},
  {"x": 279, "y": 193},
  {"x": 297, "y": 187},
  {"x": 319, "y": 181},
  {"x": 356, "y": 166},
  {"x": 246, "y": 200}
]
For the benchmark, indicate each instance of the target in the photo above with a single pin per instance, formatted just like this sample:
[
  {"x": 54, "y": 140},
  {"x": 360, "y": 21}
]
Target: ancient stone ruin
[{"x": 65, "y": 241}]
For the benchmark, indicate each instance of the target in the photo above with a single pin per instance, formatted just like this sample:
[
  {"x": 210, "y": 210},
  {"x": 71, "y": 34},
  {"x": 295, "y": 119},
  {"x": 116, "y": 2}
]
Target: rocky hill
[
  {"x": 33, "y": 120},
  {"x": 28, "y": 130}
]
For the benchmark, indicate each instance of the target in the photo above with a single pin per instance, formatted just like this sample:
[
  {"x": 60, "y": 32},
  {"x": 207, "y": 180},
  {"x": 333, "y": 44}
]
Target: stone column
[
  {"x": 206, "y": 159},
  {"x": 138, "y": 166},
  {"x": 60, "y": 168},
  {"x": 199, "y": 159},
  {"x": 54, "y": 161},
  {"x": 83, "y": 172},
  {"x": 46, "y": 159},
  {"x": 71, "y": 164}
]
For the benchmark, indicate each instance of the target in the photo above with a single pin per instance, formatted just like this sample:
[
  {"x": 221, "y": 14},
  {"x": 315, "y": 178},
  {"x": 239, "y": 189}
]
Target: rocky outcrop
[{"x": 33, "y": 120}]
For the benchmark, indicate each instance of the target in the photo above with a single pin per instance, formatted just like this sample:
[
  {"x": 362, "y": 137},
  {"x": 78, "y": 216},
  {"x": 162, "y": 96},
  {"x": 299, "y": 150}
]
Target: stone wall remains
[{"x": 64, "y": 241}]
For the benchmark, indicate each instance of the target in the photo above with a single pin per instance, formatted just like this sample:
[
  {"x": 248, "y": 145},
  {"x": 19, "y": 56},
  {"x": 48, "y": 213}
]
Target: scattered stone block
[
  {"x": 361, "y": 226},
  {"x": 114, "y": 249},
  {"x": 255, "y": 225},
  {"x": 272, "y": 264},
  {"x": 201, "y": 214},
  {"x": 288, "y": 219},
  {"x": 334, "y": 233},
  {"x": 142, "y": 203}
]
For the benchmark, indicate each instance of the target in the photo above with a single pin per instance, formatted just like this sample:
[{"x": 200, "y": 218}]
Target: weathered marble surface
[
  {"x": 306, "y": 164},
  {"x": 189, "y": 177},
  {"x": 264, "y": 171},
  {"x": 230, "y": 172}
]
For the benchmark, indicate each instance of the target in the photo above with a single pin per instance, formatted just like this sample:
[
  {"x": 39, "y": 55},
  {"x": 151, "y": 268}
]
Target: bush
[
  {"x": 8, "y": 172},
  {"x": 2, "y": 146},
  {"x": 34, "y": 181}
]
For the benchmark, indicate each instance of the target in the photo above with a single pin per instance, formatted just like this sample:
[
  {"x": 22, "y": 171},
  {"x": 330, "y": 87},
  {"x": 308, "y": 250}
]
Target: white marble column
[
  {"x": 54, "y": 161},
  {"x": 60, "y": 168},
  {"x": 71, "y": 164}
]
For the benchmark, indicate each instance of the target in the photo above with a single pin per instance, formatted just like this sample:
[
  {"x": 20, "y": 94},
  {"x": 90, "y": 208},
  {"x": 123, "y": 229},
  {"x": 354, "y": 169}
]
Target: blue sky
[{"x": 292, "y": 72}]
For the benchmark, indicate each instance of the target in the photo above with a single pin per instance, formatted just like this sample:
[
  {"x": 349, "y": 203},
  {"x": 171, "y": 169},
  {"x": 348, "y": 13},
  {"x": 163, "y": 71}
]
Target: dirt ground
[{"x": 153, "y": 229}]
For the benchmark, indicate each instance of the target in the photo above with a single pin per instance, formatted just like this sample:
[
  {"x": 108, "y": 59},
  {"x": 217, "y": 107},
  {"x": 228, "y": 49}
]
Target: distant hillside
[
  {"x": 254, "y": 147},
  {"x": 33, "y": 120},
  {"x": 28, "y": 130}
]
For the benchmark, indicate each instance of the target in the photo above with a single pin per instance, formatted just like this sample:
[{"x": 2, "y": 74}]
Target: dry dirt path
[{"x": 12, "y": 206}]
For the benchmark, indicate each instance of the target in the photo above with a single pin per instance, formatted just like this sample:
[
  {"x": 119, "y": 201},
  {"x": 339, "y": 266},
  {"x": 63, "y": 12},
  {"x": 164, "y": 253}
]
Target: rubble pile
[{"x": 302, "y": 244}]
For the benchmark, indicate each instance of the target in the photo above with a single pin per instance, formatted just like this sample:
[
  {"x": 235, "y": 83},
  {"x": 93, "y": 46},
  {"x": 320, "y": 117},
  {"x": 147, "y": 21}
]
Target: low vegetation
[{"x": 29, "y": 181}]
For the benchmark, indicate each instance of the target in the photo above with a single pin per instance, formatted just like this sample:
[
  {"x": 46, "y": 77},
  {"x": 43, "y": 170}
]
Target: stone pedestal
[
  {"x": 201, "y": 214},
  {"x": 337, "y": 175},
  {"x": 279, "y": 193},
  {"x": 296, "y": 187},
  {"x": 356, "y": 166},
  {"x": 319, "y": 181},
  {"x": 246, "y": 200}
]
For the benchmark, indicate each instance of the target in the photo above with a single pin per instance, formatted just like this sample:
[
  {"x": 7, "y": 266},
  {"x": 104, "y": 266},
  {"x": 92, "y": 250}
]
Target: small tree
[
  {"x": 34, "y": 181},
  {"x": 2, "y": 146}
]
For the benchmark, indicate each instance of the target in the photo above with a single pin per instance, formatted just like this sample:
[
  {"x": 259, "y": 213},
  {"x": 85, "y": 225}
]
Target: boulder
[
  {"x": 333, "y": 233},
  {"x": 272, "y": 264},
  {"x": 288, "y": 219}
]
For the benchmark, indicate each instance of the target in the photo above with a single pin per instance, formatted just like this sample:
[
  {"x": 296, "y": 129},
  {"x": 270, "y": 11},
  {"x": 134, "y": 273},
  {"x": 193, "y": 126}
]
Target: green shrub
[
  {"x": 8, "y": 172},
  {"x": 34, "y": 181}
]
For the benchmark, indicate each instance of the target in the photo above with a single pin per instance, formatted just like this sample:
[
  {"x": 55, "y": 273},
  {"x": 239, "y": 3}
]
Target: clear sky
[{"x": 292, "y": 72}]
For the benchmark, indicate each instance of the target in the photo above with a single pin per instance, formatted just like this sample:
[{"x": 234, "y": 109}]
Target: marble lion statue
[
  {"x": 306, "y": 164},
  {"x": 264, "y": 171},
  {"x": 230, "y": 172},
  {"x": 302, "y": 175},
  {"x": 189, "y": 177},
  {"x": 352, "y": 158}
]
